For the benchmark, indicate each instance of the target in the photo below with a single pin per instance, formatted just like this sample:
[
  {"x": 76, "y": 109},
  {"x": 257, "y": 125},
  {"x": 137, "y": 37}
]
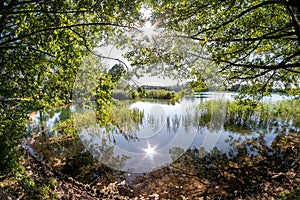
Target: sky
[{"x": 113, "y": 52}]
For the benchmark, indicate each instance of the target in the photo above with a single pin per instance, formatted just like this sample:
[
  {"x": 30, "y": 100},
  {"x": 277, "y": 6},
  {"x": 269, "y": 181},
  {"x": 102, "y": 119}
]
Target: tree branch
[
  {"x": 263, "y": 37},
  {"x": 250, "y": 52},
  {"x": 60, "y": 28},
  {"x": 284, "y": 61},
  {"x": 294, "y": 21},
  {"x": 267, "y": 82},
  {"x": 40, "y": 51},
  {"x": 240, "y": 15},
  {"x": 99, "y": 56},
  {"x": 254, "y": 76},
  {"x": 42, "y": 11},
  {"x": 271, "y": 67},
  {"x": 293, "y": 71}
]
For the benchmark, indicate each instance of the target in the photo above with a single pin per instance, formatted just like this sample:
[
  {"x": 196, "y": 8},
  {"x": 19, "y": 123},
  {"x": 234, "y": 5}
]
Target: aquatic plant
[{"x": 250, "y": 113}]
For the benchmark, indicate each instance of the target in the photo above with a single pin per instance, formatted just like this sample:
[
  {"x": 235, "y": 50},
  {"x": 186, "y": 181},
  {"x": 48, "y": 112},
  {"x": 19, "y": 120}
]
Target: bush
[{"x": 13, "y": 126}]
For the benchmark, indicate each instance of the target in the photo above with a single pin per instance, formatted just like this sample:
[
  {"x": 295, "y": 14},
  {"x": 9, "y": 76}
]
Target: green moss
[{"x": 290, "y": 195}]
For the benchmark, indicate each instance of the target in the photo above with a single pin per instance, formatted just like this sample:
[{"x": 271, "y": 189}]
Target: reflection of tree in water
[
  {"x": 191, "y": 119},
  {"x": 49, "y": 121},
  {"x": 71, "y": 158},
  {"x": 263, "y": 174},
  {"x": 173, "y": 123},
  {"x": 155, "y": 122},
  {"x": 101, "y": 147}
]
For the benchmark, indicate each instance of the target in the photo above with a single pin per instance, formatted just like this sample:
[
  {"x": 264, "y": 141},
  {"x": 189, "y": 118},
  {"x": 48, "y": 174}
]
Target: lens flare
[{"x": 150, "y": 152}]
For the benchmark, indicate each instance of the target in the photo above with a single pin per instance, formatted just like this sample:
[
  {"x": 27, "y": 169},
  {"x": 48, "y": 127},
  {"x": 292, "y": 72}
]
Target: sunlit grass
[{"x": 251, "y": 113}]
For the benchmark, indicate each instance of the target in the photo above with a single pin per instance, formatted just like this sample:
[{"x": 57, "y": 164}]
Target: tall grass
[{"x": 252, "y": 114}]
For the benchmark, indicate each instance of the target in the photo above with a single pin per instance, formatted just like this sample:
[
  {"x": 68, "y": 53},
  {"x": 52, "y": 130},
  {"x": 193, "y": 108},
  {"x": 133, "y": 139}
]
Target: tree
[
  {"x": 254, "y": 42},
  {"x": 42, "y": 45}
]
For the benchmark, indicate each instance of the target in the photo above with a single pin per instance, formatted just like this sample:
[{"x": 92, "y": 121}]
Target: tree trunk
[{"x": 293, "y": 7}]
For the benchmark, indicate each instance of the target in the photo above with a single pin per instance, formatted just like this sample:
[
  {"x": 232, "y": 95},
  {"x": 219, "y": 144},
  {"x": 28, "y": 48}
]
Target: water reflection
[
  {"x": 46, "y": 121},
  {"x": 245, "y": 171},
  {"x": 161, "y": 137},
  {"x": 162, "y": 128}
]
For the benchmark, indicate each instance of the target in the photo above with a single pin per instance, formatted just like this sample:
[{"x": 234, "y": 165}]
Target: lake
[{"x": 161, "y": 136}]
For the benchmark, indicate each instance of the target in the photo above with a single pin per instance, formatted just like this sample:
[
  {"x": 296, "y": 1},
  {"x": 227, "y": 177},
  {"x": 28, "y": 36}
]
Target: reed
[{"x": 251, "y": 114}]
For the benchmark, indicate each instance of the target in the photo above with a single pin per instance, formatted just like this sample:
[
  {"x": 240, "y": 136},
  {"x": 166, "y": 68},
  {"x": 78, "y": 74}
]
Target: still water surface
[{"x": 163, "y": 130}]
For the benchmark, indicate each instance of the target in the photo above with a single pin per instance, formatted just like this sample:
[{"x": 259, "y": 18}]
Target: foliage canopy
[
  {"x": 43, "y": 42},
  {"x": 253, "y": 42}
]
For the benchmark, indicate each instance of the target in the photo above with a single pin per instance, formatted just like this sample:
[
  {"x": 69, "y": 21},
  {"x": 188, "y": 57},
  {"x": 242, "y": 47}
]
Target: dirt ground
[{"x": 156, "y": 185}]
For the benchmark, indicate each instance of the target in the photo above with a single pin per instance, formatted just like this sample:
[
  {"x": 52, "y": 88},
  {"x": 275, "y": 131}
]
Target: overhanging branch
[
  {"x": 295, "y": 21},
  {"x": 59, "y": 28},
  {"x": 263, "y": 37},
  {"x": 267, "y": 67},
  {"x": 239, "y": 16}
]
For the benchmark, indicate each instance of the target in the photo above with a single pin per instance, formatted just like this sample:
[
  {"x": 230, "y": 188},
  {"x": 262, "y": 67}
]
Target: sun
[
  {"x": 149, "y": 30},
  {"x": 149, "y": 33}
]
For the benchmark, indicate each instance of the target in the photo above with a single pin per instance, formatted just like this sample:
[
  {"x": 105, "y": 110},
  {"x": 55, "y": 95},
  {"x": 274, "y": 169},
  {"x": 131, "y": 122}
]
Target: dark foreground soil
[
  {"x": 156, "y": 185},
  {"x": 63, "y": 187}
]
